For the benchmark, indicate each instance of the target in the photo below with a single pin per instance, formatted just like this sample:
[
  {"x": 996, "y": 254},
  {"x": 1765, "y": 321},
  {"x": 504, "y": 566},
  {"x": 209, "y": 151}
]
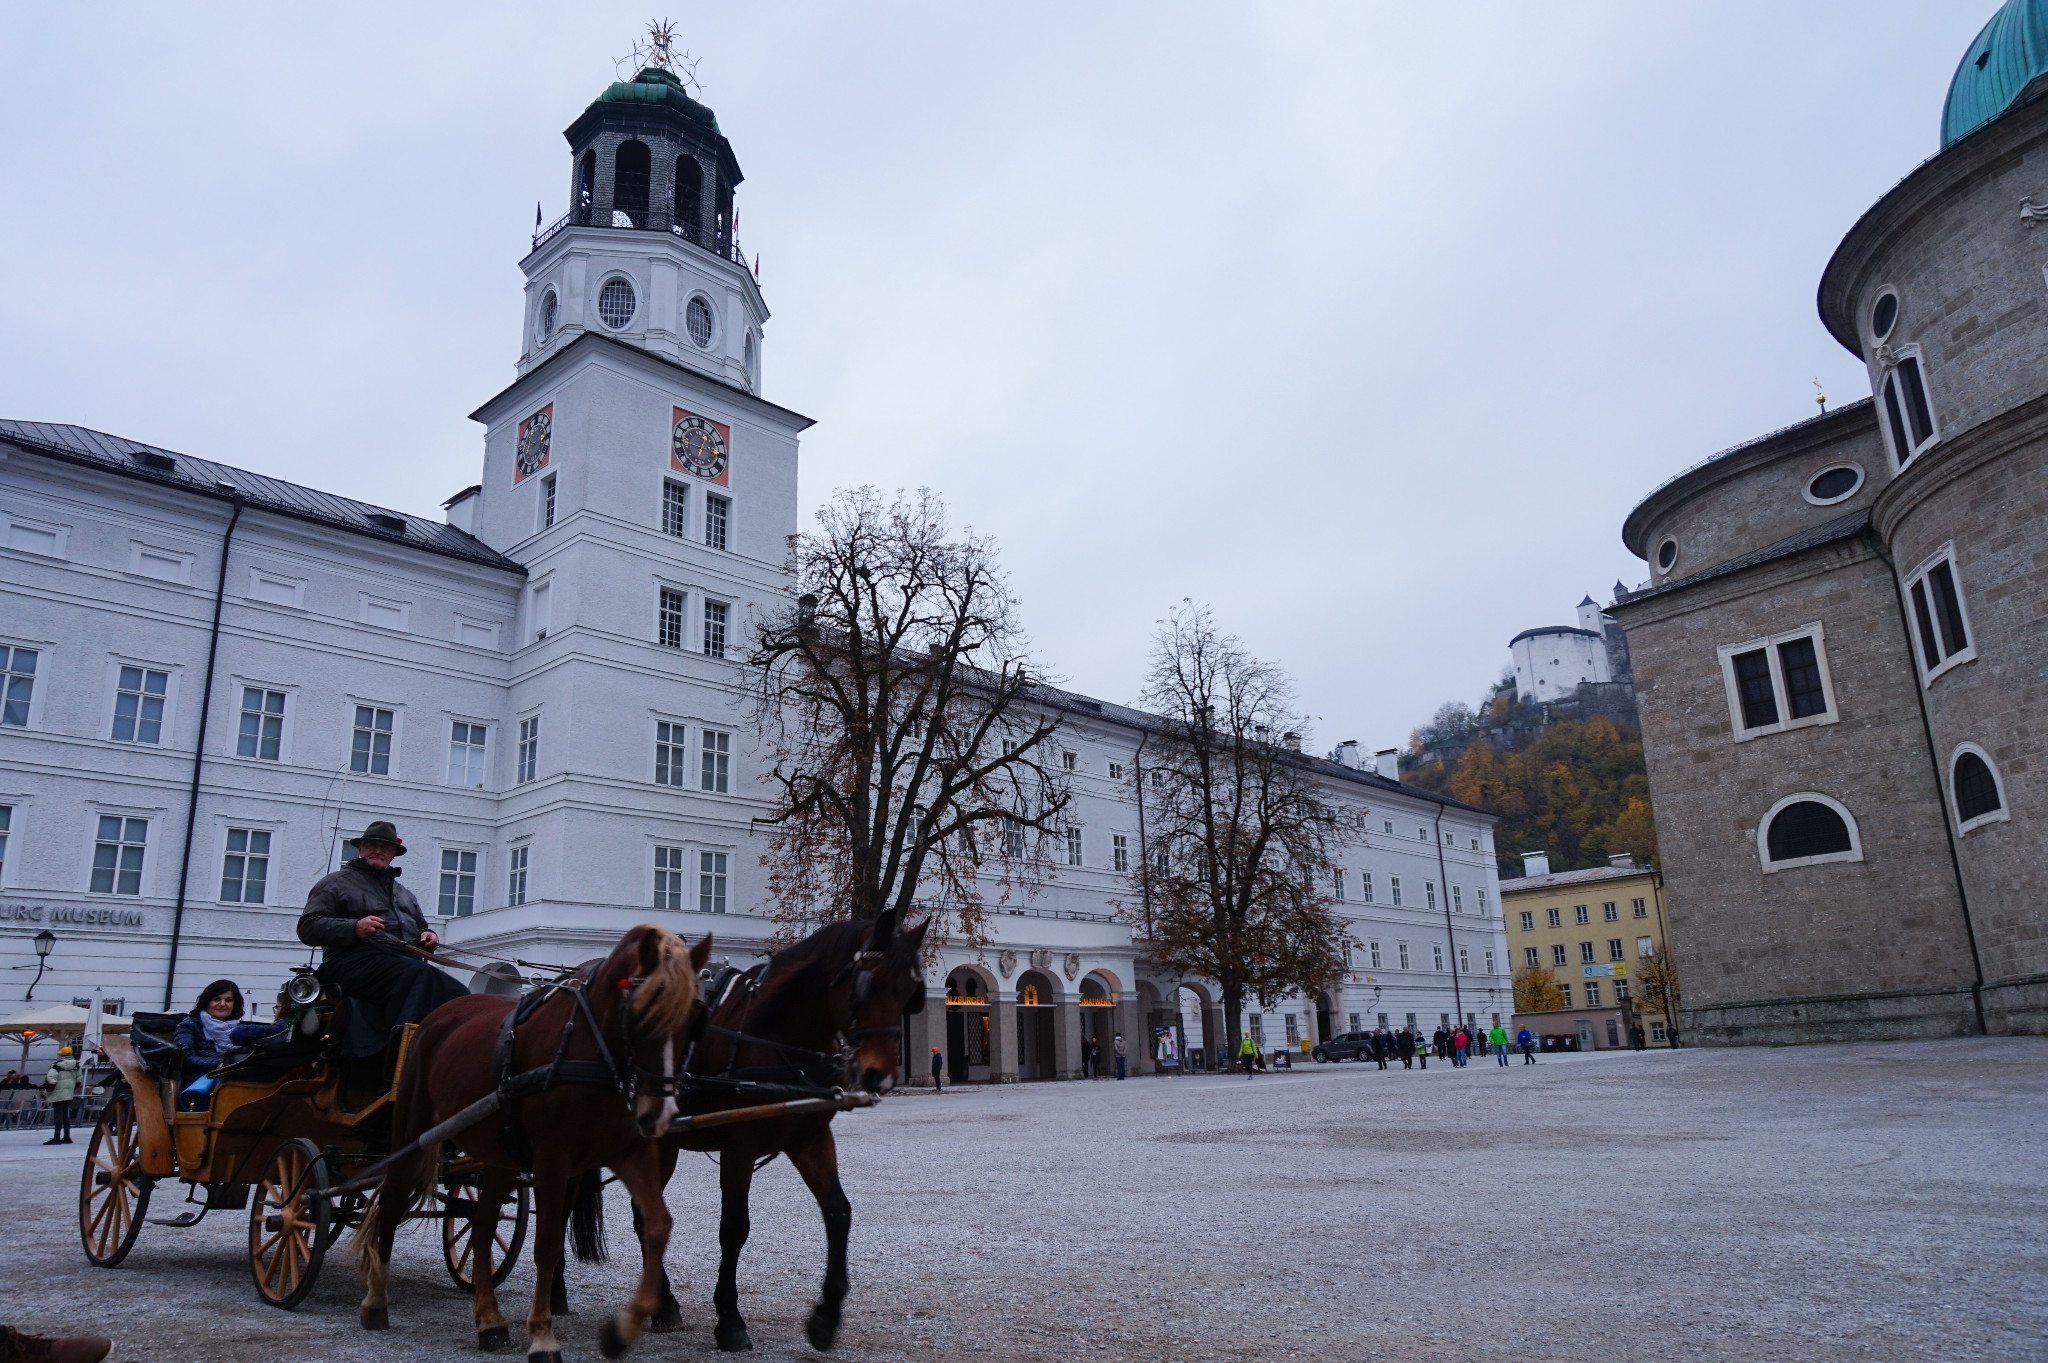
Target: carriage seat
[{"x": 151, "y": 1035}]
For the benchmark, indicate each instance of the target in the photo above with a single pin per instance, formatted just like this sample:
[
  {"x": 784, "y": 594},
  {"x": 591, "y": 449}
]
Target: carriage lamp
[
  {"x": 303, "y": 988},
  {"x": 44, "y": 941}
]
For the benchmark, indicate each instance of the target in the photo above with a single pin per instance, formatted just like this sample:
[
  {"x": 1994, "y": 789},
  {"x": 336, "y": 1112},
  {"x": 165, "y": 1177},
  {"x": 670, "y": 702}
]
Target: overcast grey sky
[{"x": 1365, "y": 323}]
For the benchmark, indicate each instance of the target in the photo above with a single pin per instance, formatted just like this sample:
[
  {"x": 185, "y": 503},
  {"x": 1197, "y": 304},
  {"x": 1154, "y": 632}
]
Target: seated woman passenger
[
  {"x": 207, "y": 1030},
  {"x": 251, "y": 1032}
]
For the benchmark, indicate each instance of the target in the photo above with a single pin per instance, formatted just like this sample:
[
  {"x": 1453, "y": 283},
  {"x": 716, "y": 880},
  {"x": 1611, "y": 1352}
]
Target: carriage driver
[{"x": 365, "y": 920}]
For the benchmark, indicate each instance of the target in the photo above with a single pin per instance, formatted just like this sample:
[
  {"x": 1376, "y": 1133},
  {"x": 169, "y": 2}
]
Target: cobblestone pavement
[{"x": 1867, "y": 1202}]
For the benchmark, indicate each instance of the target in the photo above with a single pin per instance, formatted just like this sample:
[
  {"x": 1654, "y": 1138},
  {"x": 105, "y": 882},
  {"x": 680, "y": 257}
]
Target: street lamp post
[{"x": 44, "y": 941}]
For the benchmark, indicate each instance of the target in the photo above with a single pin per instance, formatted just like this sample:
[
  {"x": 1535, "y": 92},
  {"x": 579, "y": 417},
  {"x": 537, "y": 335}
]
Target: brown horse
[
  {"x": 827, "y": 1011},
  {"x": 620, "y": 1037}
]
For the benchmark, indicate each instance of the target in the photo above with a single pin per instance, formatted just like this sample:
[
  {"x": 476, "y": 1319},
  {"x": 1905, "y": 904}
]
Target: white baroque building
[{"x": 209, "y": 678}]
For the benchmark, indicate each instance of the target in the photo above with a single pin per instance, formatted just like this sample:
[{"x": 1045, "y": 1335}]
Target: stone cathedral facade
[{"x": 1841, "y": 655}]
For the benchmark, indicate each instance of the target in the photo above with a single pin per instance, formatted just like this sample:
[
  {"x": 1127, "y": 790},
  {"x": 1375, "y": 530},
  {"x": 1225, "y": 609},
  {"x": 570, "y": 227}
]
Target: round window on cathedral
[
  {"x": 1667, "y": 555},
  {"x": 697, "y": 317},
  {"x": 1835, "y": 484},
  {"x": 615, "y": 302},
  {"x": 1883, "y": 315}
]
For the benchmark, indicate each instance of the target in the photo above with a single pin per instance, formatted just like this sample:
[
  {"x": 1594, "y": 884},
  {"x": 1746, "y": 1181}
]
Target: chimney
[
  {"x": 1535, "y": 863},
  {"x": 461, "y": 509},
  {"x": 1291, "y": 739},
  {"x": 1347, "y": 754},
  {"x": 1624, "y": 860},
  {"x": 1387, "y": 762}
]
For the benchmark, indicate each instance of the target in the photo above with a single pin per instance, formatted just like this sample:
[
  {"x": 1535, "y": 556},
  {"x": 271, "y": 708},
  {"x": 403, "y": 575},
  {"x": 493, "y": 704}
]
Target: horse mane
[
  {"x": 832, "y": 944},
  {"x": 668, "y": 988}
]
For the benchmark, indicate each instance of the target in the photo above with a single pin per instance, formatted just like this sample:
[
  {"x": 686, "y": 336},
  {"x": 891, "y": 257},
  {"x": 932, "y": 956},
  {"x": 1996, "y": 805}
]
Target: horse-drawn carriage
[{"x": 284, "y": 1125}]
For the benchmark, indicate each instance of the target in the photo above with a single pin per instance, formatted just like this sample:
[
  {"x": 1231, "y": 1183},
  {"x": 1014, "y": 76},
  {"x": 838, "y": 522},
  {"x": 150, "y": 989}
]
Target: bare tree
[
  {"x": 1237, "y": 869},
  {"x": 1654, "y": 979},
  {"x": 903, "y": 723}
]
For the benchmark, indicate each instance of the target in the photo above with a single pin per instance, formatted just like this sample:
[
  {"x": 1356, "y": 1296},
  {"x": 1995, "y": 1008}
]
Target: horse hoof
[
  {"x": 733, "y": 1339},
  {"x": 610, "y": 1341},
  {"x": 376, "y": 1317},
  {"x": 495, "y": 1340},
  {"x": 667, "y": 1320},
  {"x": 821, "y": 1332},
  {"x": 550, "y": 1356}
]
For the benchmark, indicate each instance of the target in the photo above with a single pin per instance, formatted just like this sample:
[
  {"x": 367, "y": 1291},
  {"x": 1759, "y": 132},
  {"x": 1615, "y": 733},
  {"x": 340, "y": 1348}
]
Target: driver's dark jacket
[{"x": 359, "y": 890}]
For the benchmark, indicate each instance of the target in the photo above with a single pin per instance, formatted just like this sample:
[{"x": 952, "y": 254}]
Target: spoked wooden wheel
[
  {"x": 288, "y": 1219},
  {"x": 113, "y": 1193},
  {"x": 456, "y": 1251}
]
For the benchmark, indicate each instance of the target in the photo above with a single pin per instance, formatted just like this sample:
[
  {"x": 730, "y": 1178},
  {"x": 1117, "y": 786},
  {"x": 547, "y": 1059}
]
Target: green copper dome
[{"x": 2001, "y": 69}]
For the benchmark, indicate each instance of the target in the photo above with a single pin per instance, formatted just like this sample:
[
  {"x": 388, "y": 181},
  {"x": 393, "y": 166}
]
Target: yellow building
[{"x": 1590, "y": 929}]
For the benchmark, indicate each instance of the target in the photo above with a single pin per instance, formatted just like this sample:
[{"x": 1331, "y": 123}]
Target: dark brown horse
[
  {"x": 619, "y": 1103},
  {"x": 825, "y": 1012}
]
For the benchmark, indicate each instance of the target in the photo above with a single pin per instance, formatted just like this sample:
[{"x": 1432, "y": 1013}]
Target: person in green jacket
[
  {"x": 1247, "y": 1055},
  {"x": 1497, "y": 1037},
  {"x": 60, "y": 1082}
]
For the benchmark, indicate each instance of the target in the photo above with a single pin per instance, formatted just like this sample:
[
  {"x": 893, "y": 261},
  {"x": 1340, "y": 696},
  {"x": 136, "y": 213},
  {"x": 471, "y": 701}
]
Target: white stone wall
[{"x": 1551, "y": 664}]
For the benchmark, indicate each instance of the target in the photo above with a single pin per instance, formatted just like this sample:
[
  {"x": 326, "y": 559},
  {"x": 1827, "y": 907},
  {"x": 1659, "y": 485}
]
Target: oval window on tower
[
  {"x": 547, "y": 315},
  {"x": 615, "y": 302},
  {"x": 697, "y": 317},
  {"x": 1835, "y": 484},
  {"x": 1884, "y": 314},
  {"x": 1667, "y": 555}
]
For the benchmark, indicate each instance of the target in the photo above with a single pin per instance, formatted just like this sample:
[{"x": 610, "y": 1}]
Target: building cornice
[
  {"x": 1957, "y": 457},
  {"x": 549, "y": 369},
  {"x": 1732, "y": 583}
]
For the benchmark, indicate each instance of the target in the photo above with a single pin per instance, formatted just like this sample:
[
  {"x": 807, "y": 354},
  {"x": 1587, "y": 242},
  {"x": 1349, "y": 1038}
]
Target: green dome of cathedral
[{"x": 2007, "y": 65}]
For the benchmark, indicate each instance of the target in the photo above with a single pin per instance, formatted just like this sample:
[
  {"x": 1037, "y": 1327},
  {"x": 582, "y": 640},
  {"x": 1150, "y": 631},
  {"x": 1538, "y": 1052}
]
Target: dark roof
[
  {"x": 1524, "y": 883},
  {"x": 1846, "y": 527},
  {"x": 1551, "y": 629},
  {"x": 225, "y": 483}
]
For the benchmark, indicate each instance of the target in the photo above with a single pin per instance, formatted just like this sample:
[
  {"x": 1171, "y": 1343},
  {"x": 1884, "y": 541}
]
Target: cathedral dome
[{"x": 2007, "y": 65}]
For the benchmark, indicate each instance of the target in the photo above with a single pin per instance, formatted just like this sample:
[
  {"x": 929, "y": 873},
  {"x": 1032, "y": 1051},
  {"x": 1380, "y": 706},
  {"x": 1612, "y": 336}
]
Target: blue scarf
[{"x": 217, "y": 1031}]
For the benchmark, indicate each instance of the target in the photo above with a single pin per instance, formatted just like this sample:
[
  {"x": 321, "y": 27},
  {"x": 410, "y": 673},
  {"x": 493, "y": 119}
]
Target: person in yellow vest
[
  {"x": 1247, "y": 1054},
  {"x": 60, "y": 1082}
]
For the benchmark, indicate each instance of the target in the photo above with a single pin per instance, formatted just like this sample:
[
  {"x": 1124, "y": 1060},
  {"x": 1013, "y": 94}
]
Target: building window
[
  {"x": 1640, "y": 909},
  {"x": 715, "y": 613},
  {"x": 1580, "y": 915},
  {"x": 1940, "y": 625},
  {"x": 1013, "y": 839},
  {"x": 1429, "y": 894},
  {"x": 117, "y": 855},
  {"x": 1373, "y": 954},
  {"x": 711, "y": 882},
  {"x": 515, "y": 889},
  {"x": 1482, "y": 901},
  {"x": 1645, "y": 947},
  {"x": 1979, "y": 793},
  {"x": 1120, "y": 851},
  {"x": 1592, "y": 993},
  {"x": 245, "y": 869},
  {"x": 528, "y": 755},
  {"x": 1609, "y": 912},
  {"x": 1528, "y": 922},
  {"x": 1621, "y": 991},
  {"x": 1806, "y": 830},
  {"x": 1614, "y": 952},
  {"x": 17, "y": 685},
  {"x": 1258, "y": 1022},
  {"x": 369, "y": 753},
  {"x": 669, "y": 620},
  {"x": 668, "y": 878},
  {"x": 1422, "y": 833},
  {"x": 1293, "y": 1030},
  {"x": 1557, "y": 954},
  {"x": 1394, "y": 888},
  {"x": 1464, "y": 960},
  {"x": 262, "y": 732},
  {"x": 139, "y": 705},
  {"x": 1457, "y": 899},
  {"x": 1567, "y": 990},
  {"x": 1387, "y": 825},
  {"x": 1909, "y": 417},
  {"x": 458, "y": 883},
  {"x": 1438, "y": 952},
  {"x": 1069, "y": 761},
  {"x": 1556, "y": 919},
  {"x": 1402, "y": 948},
  {"x": 6, "y": 825},
  {"x": 1585, "y": 953},
  {"x": 1778, "y": 683},
  {"x": 1073, "y": 847},
  {"x": 1365, "y": 886},
  {"x": 675, "y": 504},
  {"x": 547, "y": 501},
  {"x": 466, "y": 754},
  {"x": 717, "y": 515},
  {"x": 714, "y": 771},
  {"x": 1529, "y": 957},
  {"x": 1116, "y": 771},
  {"x": 669, "y": 754},
  {"x": 1337, "y": 883},
  {"x": 1656, "y": 1031},
  {"x": 1489, "y": 960}
]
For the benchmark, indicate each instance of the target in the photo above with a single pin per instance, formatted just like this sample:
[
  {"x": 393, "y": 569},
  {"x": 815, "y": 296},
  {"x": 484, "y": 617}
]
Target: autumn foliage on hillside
[{"x": 1576, "y": 789}]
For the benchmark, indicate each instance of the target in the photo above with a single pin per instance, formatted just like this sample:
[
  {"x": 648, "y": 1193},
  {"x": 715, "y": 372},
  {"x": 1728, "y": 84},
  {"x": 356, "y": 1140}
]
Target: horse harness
[{"x": 608, "y": 1071}]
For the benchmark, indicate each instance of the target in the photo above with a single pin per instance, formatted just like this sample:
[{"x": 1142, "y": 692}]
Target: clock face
[
  {"x": 534, "y": 440},
  {"x": 698, "y": 446}
]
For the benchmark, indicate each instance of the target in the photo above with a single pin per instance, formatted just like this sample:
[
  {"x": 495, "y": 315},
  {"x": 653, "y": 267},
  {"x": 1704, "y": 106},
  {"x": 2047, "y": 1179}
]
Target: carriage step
[{"x": 181, "y": 1220}]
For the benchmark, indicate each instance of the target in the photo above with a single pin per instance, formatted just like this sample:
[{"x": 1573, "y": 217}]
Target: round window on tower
[
  {"x": 547, "y": 315},
  {"x": 697, "y": 318},
  {"x": 1836, "y": 483},
  {"x": 1884, "y": 315},
  {"x": 615, "y": 303},
  {"x": 1667, "y": 555}
]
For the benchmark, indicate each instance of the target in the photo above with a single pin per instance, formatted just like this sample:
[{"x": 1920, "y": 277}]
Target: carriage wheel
[
  {"x": 113, "y": 1193},
  {"x": 288, "y": 1220},
  {"x": 456, "y": 1251}
]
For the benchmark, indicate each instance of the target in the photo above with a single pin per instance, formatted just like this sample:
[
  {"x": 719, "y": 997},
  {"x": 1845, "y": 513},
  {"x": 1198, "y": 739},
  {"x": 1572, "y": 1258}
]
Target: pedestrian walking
[
  {"x": 1247, "y": 1055},
  {"x": 1379, "y": 1047},
  {"x": 1637, "y": 1039},
  {"x": 1091, "y": 1061},
  {"x": 1404, "y": 1047},
  {"x": 1498, "y": 1038},
  {"x": 1461, "y": 1046},
  {"x": 1527, "y": 1042},
  {"x": 1118, "y": 1044},
  {"x": 938, "y": 1070},
  {"x": 60, "y": 1082},
  {"x": 1421, "y": 1052}
]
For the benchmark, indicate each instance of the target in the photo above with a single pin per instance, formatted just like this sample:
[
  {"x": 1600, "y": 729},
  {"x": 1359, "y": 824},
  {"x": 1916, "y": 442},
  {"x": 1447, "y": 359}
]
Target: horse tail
[{"x": 586, "y": 1219}]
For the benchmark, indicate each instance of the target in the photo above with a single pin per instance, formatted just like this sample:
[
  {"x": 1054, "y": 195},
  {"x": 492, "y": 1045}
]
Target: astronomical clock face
[
  {"x": 534, "y": 440},
  {"x": 699, "y": 447}
]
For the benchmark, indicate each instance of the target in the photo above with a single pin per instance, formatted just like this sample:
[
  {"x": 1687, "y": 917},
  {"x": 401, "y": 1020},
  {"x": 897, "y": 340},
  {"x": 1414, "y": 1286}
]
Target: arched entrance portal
[
  {"x": 1036, "y": 1052},
  {"x": 967, "y": 1028},
  {"x": 1098, "y": 1027},
  {"x": 1322, "y": 1017}
]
